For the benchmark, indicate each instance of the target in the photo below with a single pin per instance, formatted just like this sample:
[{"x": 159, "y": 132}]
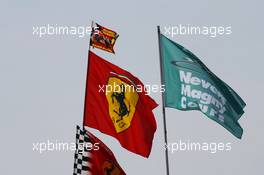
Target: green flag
[{"x": 190, "y": 85}]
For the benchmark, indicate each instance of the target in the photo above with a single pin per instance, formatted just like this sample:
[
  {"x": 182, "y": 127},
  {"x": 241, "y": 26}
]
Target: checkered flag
[{"x": 82, "y": 157}]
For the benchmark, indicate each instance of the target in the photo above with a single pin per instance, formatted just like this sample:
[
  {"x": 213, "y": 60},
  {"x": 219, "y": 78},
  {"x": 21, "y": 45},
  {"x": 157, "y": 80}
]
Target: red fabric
[
  {"x": 103, "y": 38},
  {"x": 103, "y": 159},
  {"x": 139, "y": 136}
]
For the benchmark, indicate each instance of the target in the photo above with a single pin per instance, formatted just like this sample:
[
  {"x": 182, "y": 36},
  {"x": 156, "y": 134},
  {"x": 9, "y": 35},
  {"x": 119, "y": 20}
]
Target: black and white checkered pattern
[{"x": 82, "y": 157}]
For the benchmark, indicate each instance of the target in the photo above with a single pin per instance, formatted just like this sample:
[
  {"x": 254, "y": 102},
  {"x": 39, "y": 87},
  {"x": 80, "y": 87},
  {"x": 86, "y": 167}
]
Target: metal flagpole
[
  {"x": 163, "y": 106},
  {"x": 87, "y": 74}
]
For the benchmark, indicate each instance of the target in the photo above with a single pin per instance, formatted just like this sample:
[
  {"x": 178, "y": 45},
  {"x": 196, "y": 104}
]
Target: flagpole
[
  {"x": 86, "y": 83},
  {"x": 87, "y": 74},
  {"x": 163, "y": 106}
]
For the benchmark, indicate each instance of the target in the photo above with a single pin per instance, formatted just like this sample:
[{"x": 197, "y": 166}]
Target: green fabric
[{"x": 190, "y": 85}]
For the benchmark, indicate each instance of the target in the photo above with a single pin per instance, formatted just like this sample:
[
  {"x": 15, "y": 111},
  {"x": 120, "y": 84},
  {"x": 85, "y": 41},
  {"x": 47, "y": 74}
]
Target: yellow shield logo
[
  {"x": 122, "y": 99},
  {"x": 110, "y": 169}
]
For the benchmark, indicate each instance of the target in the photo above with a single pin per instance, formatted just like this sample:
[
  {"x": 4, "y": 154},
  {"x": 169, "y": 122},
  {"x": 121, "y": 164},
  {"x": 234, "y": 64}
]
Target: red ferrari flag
[
  {"x": 93, "y": 157},
  {"x": 104, "y": 160},
  {"x": 103, "y": 38},
  {"x": 117, "y": 104}
]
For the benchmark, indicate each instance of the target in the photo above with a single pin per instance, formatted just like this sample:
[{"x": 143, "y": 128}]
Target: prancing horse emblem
[
  {"x": 122, "y": 101},
  {"x": 120, "y": 97},
  {"x": 110, "y": 168}
]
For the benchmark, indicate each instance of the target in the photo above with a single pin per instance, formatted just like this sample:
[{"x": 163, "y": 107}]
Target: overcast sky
[{"x": 43, "y": 81}]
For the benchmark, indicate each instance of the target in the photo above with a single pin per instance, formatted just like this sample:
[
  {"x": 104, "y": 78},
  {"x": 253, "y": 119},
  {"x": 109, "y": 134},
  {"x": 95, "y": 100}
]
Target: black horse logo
[
  {"x": 103, "y": 40},
  {"x": 109, "y": 170},
  {"x": 120, "y": 97}
]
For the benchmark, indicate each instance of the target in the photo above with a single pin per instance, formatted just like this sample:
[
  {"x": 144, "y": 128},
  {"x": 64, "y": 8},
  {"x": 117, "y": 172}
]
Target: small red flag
[
  {"x": 116, "y": 104},
  {"x": 103, "y": 38}
]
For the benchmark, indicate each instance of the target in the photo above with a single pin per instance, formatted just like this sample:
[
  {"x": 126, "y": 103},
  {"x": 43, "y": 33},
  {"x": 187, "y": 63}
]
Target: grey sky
[{"x": 43, "y": 81}]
